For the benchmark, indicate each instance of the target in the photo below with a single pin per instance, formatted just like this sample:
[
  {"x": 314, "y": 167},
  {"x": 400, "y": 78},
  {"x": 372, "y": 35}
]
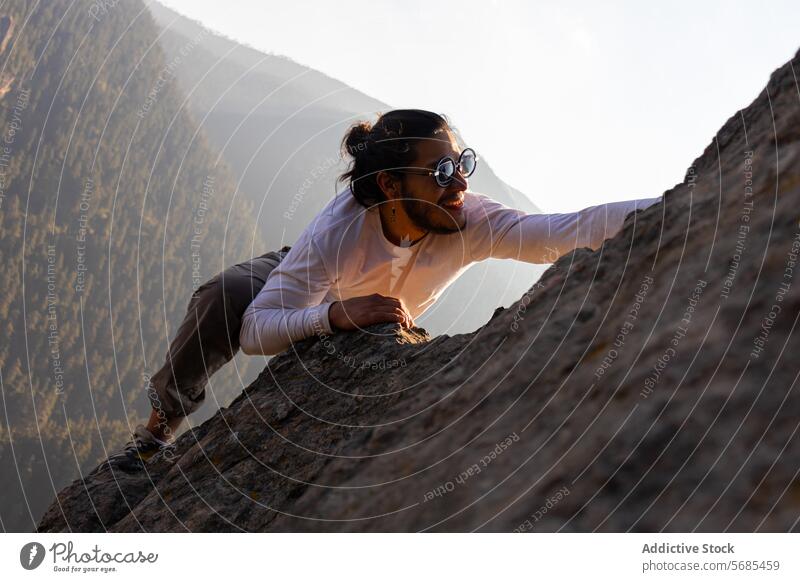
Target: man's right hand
[{"x": 358, "y": 312}]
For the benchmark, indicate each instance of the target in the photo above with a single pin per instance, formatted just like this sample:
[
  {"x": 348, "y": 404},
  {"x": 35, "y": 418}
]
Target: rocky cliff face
[{"x": 647, "y": 386}]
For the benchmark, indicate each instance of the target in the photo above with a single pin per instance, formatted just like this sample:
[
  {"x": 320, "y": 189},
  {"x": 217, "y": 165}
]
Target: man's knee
[
  {"x": 222, "y": 300},
  {"x": 228, "y": 291},
  {"x": 244, "y": 281},
  {"x": 238, "y": 287}
]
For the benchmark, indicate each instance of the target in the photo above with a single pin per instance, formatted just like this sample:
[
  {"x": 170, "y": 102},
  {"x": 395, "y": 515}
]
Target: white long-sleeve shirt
[{"x": 343, "y": 253}]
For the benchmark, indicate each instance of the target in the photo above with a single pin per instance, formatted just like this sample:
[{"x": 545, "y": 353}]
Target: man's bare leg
[{"x": 163, "y": 428}]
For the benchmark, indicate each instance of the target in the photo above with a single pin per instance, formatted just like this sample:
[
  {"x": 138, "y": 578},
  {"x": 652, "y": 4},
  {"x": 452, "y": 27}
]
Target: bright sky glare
[{"x": 573, "y": 103}]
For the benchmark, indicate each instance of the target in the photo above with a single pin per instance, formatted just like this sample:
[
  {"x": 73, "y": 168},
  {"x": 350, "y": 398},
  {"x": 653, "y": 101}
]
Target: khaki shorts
[{"x": 208, "y": 337}]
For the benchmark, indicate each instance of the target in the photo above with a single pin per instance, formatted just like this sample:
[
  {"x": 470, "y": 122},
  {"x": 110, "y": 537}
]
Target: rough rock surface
[{"x": 649, "y": 385}]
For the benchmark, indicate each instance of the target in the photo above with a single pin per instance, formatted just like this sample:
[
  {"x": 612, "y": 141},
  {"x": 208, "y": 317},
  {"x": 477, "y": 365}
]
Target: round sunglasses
[{"x": 445, "y": 169}]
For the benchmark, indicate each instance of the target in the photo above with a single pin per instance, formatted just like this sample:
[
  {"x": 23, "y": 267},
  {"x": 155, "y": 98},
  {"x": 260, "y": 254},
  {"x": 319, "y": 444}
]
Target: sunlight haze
[{"x": 574, "y": 104}]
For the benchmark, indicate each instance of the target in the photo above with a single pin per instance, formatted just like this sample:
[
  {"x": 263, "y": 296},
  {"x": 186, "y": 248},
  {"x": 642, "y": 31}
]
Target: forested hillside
[{"x": 112, "y": 208}]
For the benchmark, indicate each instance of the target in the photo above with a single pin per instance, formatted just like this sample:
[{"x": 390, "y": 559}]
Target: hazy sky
[{"x": 574, "y": 103}]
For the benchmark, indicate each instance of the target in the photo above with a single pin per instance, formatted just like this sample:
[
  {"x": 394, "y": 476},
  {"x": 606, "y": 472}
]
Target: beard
[{"x": 423, "y": 214}]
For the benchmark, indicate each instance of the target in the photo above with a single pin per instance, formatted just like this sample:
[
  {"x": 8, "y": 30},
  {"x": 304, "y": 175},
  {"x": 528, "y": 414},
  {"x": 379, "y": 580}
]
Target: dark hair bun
[{"x": 357, "y": 137}]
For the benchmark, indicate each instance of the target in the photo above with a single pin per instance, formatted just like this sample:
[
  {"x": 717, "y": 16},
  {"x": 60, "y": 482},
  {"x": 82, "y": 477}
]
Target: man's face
[{"x": 427, "y": 204}]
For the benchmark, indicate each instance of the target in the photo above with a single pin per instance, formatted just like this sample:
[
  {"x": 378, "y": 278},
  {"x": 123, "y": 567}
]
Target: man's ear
[{"x": 389, "y": 184}]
